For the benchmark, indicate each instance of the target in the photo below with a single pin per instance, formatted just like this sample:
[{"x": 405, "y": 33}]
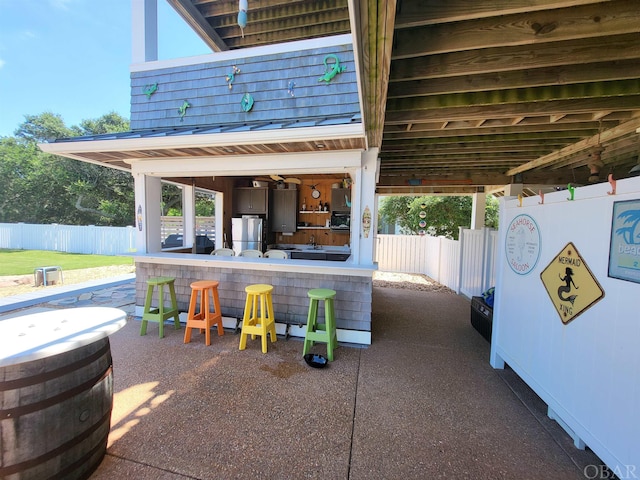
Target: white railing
[
  {"x": 175, "y": 225},
  {"x": 68, "y": 238},
  {"x": 466, "y": 265}
]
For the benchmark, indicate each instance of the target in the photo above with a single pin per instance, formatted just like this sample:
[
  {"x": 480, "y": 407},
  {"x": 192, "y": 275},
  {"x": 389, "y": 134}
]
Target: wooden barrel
[{"x": 55, "y": 414}]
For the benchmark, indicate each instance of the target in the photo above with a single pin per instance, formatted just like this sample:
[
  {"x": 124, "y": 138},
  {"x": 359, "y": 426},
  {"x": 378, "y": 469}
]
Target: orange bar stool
[
  {"x": 321, "y": 332},
  {"x": 205, "y": 318},
  {"x": 254, "y": 324},
  {"x": 161, "y": 312}
]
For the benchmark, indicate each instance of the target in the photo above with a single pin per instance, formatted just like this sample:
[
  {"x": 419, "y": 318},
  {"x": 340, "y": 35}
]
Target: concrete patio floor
[{"x": 421, "y": 402}]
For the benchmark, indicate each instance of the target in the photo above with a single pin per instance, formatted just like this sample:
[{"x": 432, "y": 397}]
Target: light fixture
[{"x": 320, "y": 145}]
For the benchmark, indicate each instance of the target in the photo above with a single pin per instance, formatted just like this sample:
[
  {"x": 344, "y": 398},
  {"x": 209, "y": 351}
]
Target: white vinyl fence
[
  {"x": 68, "y": 238},
  {"x": 89, "y": 239},
  {"x": 465, "y": 265}
]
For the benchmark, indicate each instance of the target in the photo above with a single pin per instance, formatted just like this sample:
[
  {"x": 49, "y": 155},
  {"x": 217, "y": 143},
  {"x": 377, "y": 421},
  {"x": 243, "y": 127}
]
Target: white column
[
  {"x": 189, "y": 215},
  {"x": 144, "y": 30},
  {"x": 478, "y": 210},
  {"x": 220, "y": 220},
  {"x": 148, "y": 193},
  {"x": 365, "y": 190}
]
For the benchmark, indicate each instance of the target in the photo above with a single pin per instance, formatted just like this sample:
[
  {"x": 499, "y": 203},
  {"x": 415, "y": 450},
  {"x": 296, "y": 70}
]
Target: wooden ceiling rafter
[{"x": 525, "y": 84}]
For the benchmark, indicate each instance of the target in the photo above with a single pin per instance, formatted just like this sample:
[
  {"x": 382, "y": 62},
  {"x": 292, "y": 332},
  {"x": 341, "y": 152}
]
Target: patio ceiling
[{"x": 460, "y": 94}]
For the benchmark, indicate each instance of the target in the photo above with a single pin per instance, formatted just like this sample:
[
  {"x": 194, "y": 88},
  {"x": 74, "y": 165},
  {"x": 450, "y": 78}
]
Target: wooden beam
[
  {"x": 577, "y": 22},
  {"x": 506, "y": 59},
  {"x": 538, "y": 77},
  {"x": 605, "y": 136},
  {"x": 520, "y": 95},
  {"x": 477, "y": 112},
  {"x": 199, "y": 24},
  {"x": 377, "y": 20},
  {"x": 431, "y": 12}
]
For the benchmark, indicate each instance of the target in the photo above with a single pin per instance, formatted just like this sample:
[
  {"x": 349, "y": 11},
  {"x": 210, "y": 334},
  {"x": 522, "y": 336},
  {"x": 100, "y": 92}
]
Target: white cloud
[{"x": 2, "y": 62}]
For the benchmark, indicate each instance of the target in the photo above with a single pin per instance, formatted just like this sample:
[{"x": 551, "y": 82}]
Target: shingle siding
[
  {"x": 290, "y": 301},
  {"x": 266, "y": 78}
]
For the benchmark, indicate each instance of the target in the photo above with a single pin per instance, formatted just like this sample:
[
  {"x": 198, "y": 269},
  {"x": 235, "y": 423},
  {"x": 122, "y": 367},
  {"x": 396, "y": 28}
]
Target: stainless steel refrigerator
[{"x": 246, "y": 233}]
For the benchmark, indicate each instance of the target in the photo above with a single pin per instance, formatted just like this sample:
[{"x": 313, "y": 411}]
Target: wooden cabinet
[
  {"x": 339, "y": 199},
  {"x": 284, "y": 209},
  {"x": 250, "y": 200}
]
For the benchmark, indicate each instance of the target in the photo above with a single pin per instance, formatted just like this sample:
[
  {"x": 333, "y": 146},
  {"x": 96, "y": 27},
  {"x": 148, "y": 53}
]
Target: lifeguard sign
[{"x": 570, "y": 284}]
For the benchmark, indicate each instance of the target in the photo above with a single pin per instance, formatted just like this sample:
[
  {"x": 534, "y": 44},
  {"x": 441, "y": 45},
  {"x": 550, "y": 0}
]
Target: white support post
[
  {"x": 144, "y": 30},
  {"x": 219, "y": 205},
  {"x": 478, "y": 210},
  {"x": 189, "y": 215},
  {"x": 366, "y": 188},
  {"x": 460, "y": 258},
  {"x": 148, "y": 193}
]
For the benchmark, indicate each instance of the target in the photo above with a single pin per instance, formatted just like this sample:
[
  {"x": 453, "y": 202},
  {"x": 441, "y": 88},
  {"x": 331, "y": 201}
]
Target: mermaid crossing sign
[{"x": 570, "y": 284}]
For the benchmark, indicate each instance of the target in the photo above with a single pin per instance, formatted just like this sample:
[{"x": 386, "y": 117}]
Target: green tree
[
  {"x": 46, "y": 188},
  {"x": 443, "y": 215}
]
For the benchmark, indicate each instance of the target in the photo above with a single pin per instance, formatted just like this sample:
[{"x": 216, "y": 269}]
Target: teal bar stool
[
  {"x": 321, "y": 332},
  {"x": 161, "y": 312}
]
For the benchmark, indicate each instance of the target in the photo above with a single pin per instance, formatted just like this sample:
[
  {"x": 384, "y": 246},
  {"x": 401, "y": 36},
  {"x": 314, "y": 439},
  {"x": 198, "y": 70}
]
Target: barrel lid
[{"x": 41, "y": 335}]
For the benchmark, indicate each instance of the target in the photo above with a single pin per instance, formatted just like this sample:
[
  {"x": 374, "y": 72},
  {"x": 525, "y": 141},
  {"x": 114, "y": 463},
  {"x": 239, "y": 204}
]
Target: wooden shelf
[
  {"x": 314, "y": 228},
  {"x": 313, "y": 211}
]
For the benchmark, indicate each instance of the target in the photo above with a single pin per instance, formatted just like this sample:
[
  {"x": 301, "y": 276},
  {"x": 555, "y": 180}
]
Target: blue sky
[{"x": 72, "y": 57}]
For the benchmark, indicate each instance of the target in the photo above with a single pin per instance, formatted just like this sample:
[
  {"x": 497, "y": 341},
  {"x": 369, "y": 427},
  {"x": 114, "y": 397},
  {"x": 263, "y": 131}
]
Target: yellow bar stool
[
  {"x": 321, "y": 332},
  {"x": 252, "y": 324},
  {"x": 161, "y": 312},
  {"x": 205, "y": 290}
]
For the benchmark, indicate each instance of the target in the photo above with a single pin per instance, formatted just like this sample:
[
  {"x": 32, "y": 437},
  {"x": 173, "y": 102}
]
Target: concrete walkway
[{"x": 421, "y": 402}]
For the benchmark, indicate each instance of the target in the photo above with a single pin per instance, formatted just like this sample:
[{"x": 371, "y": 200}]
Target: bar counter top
[{"x": 267, "y": 264}]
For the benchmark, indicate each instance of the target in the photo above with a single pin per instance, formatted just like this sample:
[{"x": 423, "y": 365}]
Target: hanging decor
[
  {"x": 247, "y": 102},
  {"x": 243, "y": 6},
  {"x": 182, "y": 111},
  {"x": 366, "y": 221},
  {"x": 149, "y": 90},
  {"x": 331, "y": 70},
  {"x": 139, "y": 217},
  {"x": 230, "y": 77},
  {"x": 422, "y": 223}
]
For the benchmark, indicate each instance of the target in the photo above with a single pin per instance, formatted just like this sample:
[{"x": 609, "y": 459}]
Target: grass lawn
[{"x": 23, "y": 262}]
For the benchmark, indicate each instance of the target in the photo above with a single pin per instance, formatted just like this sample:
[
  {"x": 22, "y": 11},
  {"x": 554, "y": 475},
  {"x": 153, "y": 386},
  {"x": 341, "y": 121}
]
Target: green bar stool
[
  {"x": 321, "y": 332},
  {"x": 161, "y": 312}
]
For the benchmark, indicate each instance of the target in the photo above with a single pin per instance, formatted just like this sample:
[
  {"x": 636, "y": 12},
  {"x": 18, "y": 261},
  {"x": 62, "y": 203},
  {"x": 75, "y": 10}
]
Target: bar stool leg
[
  {"x": 147, "y": 309},
  {"x": 161, "y": 309},
  {"x": 190, "y": 314},
  {"x": 205, "y": 314},
  {"x": 246, "y": 318},
  {"x": 216, "y": 306},
  {"x": 272, "y": 321},
  {"x": 174, "y": 304},
  {"x": 330, "y": 327},
  {"x": 311, "y": 325}
]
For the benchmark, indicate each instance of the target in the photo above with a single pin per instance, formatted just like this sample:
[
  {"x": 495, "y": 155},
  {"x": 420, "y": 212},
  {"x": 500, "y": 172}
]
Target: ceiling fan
[{"x": 281, "y": 180}]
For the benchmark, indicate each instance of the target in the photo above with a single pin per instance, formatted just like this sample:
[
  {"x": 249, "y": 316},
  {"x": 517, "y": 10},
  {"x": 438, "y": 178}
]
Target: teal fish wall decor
[{"x": 331, "y": 71}]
